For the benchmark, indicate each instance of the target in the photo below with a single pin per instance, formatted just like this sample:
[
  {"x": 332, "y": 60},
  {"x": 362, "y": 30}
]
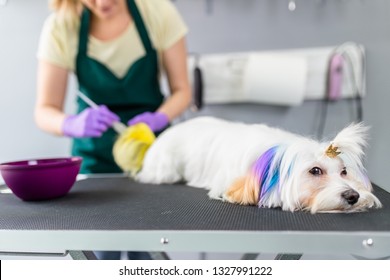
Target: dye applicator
[{"x": 133, "y": 142}]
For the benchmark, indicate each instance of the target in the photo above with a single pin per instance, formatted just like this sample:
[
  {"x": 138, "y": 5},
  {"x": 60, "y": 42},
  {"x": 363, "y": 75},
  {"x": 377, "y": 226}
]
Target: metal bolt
[
  {"x": 368, "y": 242},
  {"x": 292, "y": 5},
  {"x": 164, "y": 240}
]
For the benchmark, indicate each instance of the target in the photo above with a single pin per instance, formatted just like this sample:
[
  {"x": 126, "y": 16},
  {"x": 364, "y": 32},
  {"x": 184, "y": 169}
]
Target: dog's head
[{"x": 317, "y": 177}]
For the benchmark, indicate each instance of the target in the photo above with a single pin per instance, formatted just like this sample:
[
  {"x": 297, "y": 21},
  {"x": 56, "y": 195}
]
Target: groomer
[{"x": 117, "y": 49}]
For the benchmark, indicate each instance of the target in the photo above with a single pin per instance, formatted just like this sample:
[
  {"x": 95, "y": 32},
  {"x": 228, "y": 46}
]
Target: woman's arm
[
  {"x": 174, "y": 61},
  {"x": 51, "y": 89}
]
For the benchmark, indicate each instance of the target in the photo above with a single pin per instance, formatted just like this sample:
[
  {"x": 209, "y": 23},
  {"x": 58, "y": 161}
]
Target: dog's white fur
[{"x": 222, "y": 156}]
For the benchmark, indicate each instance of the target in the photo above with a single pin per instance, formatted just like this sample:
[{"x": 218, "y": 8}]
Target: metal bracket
[{"x": 34, "y": 254}]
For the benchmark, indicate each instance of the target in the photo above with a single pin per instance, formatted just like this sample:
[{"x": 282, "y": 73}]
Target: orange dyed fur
[{"x": 243, "y": 191}]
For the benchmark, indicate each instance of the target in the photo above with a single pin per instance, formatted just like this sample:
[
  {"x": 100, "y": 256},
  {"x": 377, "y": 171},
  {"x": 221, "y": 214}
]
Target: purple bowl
[{"x": 40, "y": 179}]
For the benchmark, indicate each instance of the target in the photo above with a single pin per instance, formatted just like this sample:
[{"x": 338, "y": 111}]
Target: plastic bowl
[{"x": 41, "y": 179}]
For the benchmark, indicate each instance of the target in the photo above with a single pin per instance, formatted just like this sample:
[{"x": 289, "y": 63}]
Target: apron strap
[
  {"x": 139, "y": 23},
  {"x": 84, "y": 31}
]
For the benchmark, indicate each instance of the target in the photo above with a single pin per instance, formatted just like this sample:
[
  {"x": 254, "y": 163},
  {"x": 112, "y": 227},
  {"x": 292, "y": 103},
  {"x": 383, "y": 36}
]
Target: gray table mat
[{"x": 122, "y": 204}]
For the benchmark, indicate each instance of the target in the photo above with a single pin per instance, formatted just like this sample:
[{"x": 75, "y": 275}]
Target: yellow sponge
[{"x": 130, "y": 148}]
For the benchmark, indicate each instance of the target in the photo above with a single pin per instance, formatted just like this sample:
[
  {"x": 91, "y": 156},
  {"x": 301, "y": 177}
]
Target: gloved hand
[
  {"x": 91, "y": 122},
  {"x": 156, "y": 121}
]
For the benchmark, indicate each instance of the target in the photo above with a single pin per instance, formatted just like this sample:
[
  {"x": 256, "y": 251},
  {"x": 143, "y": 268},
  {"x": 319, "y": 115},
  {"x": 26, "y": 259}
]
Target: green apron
[{"x": 137, "y": 92}]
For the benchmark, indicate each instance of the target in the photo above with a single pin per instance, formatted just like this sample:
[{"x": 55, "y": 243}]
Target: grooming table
[{"x": 116, "y": 213}]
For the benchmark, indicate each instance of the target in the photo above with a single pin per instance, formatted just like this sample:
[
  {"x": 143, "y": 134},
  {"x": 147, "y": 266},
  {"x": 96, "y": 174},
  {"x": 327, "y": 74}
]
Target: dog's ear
[
  {"x": 351, "y": 142},
  {"x": 262, "y": 183},
  {"x": 257, "y": 186}
]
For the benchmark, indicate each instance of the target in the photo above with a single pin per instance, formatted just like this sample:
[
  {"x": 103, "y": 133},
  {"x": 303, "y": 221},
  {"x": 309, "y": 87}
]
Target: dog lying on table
[{"x": 254, "y": 164}]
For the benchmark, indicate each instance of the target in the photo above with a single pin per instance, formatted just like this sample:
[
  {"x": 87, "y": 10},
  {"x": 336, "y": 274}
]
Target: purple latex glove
[
  {"x": 156, "y": 121},
  {"x": 92, "y": 122}
]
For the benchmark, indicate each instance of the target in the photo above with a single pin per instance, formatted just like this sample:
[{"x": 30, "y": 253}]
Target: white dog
[{"x": 264, "y": 166}]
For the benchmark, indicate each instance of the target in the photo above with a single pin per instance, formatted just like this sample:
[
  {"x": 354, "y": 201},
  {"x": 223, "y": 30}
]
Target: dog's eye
[
  {"x": 316, "y": 171},
  {"x": 344, "y": 172}
]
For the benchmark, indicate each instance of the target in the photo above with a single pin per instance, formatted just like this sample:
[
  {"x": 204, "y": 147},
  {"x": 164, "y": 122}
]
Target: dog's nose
[{"x": 350, "y": 196}]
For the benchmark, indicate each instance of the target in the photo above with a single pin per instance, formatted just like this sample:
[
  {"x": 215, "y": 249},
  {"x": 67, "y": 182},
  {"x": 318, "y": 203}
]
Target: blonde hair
[{"x": 69, "y": 7}]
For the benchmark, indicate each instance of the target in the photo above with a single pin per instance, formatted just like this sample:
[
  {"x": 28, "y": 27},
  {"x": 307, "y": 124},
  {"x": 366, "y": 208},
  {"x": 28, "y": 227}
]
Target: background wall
[
  {"x": 218, "y": 26},
  {"x": 20, "y": 25}
]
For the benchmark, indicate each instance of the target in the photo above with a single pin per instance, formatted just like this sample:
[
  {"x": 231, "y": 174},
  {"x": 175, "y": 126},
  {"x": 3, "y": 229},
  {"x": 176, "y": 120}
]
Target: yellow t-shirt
[{"x": 59, "y": 38}]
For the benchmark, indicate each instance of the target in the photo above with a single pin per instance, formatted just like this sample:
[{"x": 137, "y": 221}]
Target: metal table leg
[
  {"x": 288, "y": 256},
  {"x": 82, "y": 255},
  {"x": 159, "y": 256}
]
